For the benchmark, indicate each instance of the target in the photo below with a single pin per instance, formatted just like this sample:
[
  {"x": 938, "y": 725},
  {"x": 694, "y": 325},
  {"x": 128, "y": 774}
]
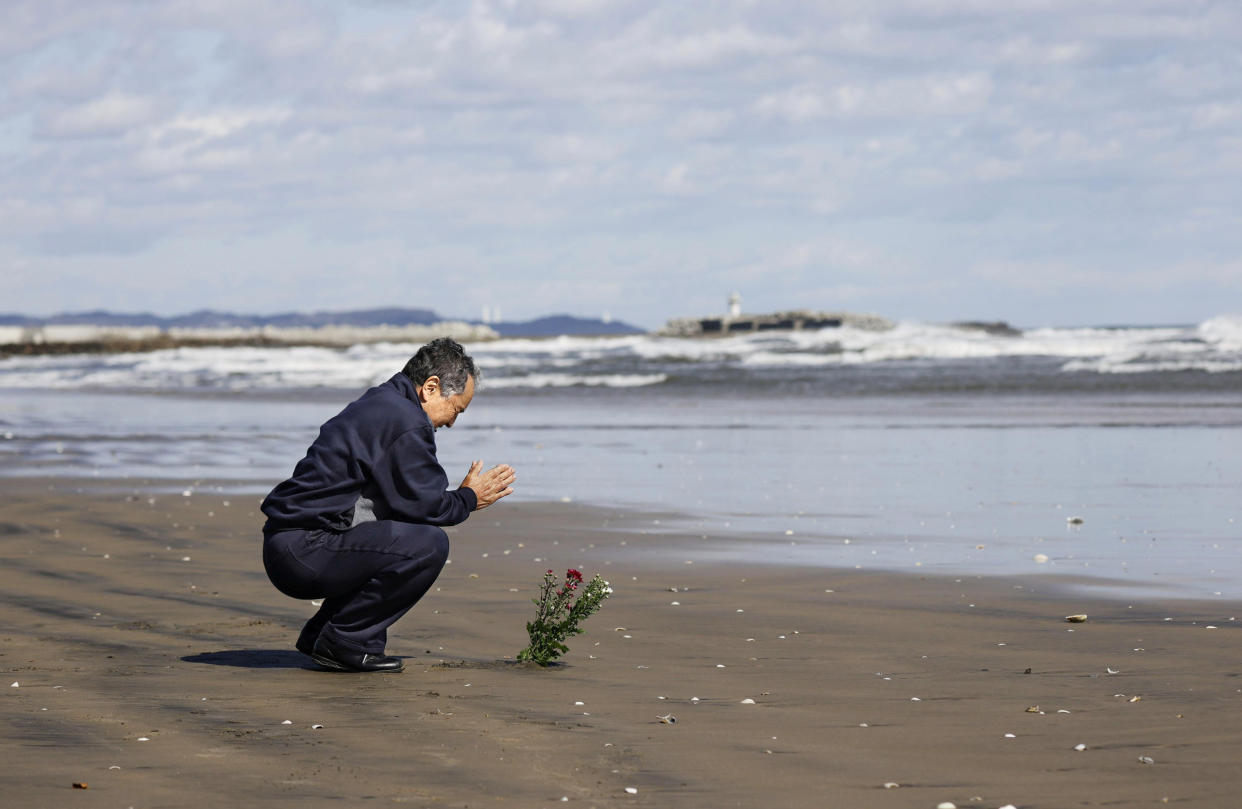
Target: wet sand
[{"x": 154, "y": 663}]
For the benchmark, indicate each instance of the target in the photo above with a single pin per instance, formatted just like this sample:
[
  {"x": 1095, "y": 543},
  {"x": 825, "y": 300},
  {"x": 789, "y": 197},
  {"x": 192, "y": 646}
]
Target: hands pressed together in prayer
[{"x": 489, "y": 486}]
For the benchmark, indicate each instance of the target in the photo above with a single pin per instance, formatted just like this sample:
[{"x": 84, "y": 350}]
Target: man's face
[{"x": 443, "y": 410}]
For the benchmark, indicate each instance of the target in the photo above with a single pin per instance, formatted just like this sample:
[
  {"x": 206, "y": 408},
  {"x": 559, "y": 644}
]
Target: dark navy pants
[{"x": 368, "y": 576}]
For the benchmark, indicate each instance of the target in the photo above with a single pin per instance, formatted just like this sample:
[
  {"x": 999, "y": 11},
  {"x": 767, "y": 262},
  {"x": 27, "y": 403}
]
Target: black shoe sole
[
  {"x": 334, "y": 665},
  {"x": 329, "y": 663}
]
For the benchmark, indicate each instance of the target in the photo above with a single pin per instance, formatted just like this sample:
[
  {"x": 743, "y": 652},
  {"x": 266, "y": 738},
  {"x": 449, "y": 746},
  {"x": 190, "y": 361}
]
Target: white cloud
[
  {"x": 115, "y": 113},
  {"x": 927, "y": 95},
  {"x": 1058, "y": 277},
  {"x": 1023, "y": 50},
  {"x": 677, "y": 180},
  {"x": 57, "y": 83},
  {"x": 622, "y": 139},
  {"x": 708, "y": 47},
  {"x": 696, "y": 124},
  {"x": 187, "y": 143},
  {"x": 659, "y": 42},
  {"x": 800, "y": 104},
  {"x": 575, "y": 148},
  {"x": 1217, "y": 115},
  {"x": 219, "y": 124},
  {"x": 402, "y": 78},
  {"x": 575, "y": 8}
]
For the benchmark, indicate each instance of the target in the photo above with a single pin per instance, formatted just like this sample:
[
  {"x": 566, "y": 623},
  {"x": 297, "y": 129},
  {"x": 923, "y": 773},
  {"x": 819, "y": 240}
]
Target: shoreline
[
  {"x": 662, "y": 536},
  {"x": 148, "y": 616}
]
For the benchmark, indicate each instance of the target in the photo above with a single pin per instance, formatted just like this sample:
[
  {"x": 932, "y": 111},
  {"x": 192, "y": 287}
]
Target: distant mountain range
[{"x": 549, "y": 326}]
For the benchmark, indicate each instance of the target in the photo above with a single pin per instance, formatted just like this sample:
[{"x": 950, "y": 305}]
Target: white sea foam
[
  {"x": 187, "y": 368},
  {"x": 641, "y": 360},
  {"x": 1139, "y": 366},
  {"x": 1212, "y": 346},
  {"x": 569, "y": 380},
  {"x": 773, "y": 359},
  {"x": 1224, "y": 331}
]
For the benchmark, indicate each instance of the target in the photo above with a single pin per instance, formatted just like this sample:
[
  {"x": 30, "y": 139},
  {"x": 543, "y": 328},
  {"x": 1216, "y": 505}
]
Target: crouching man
[{"x": 380, "y": 450}]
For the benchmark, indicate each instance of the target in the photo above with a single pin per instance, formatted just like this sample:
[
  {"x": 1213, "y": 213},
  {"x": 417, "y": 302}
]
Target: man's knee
[
  {"x": 428, "y": 545},
  {"x": 438, "y": 542}
]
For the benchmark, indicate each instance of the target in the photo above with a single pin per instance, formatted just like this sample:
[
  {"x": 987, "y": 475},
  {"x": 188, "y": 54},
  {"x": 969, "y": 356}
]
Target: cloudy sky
[{"x": 1048, "y": 162}]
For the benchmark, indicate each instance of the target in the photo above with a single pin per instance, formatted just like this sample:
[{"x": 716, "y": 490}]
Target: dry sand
[{"x": 154, "y": 663}]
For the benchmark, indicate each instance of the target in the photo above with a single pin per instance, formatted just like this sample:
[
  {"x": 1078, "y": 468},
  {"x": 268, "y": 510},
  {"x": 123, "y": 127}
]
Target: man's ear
[{"x": 429, "y": 388}]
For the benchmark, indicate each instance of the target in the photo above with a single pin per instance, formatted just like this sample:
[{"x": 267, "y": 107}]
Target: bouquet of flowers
[{"x": 560, "y": 610}]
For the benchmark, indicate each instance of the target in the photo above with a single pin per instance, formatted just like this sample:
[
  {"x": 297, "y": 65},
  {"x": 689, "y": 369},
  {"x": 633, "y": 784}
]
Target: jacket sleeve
[{"x": 410, "y": 485}]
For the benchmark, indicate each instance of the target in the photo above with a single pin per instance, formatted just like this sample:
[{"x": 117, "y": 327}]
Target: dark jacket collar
[{"x": 405, "y": 387}]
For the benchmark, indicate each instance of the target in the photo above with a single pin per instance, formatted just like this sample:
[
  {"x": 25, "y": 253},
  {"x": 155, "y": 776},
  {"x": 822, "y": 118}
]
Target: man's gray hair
[{"x": 443, "y": 357}]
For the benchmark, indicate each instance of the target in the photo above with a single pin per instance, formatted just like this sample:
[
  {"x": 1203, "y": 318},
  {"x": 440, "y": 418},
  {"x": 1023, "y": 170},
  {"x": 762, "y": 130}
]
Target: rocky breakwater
[
  {"x": 85, "y": 338},
  {"x": 794, "y": 320}
]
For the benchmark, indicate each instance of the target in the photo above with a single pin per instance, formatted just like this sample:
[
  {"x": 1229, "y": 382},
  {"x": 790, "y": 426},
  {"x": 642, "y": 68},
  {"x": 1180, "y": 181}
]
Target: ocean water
[{"x": 923, "y": 449}]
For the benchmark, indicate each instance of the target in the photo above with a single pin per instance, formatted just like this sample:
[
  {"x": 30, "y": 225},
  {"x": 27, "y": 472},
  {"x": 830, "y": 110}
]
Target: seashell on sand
[{"x": 1076, "y": 619}]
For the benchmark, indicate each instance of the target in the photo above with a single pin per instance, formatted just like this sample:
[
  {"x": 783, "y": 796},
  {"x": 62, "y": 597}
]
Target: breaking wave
[{"x": 637, "y": 361}]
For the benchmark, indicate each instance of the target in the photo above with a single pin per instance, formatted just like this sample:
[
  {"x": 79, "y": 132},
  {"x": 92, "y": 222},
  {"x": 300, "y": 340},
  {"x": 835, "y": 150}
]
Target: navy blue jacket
[{"x": 382, "y": 447}]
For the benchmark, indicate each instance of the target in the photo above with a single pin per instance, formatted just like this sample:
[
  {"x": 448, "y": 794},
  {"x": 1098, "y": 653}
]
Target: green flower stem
[{"x": 558, "y": 613}]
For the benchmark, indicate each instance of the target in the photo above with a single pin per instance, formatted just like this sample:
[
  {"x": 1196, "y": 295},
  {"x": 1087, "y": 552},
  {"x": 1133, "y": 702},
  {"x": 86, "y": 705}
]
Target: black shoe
[
  {"x": 305, "y": 647},
  {"x": 338, "y": 659}
]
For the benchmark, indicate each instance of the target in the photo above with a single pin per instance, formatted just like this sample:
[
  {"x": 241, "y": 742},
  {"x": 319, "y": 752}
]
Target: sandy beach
[{"x": 150, "y": 660}]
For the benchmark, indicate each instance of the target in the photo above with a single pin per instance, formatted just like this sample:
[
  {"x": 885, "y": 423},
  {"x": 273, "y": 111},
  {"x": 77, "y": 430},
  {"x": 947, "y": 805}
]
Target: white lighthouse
[{"x": 735, "y": 304}]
